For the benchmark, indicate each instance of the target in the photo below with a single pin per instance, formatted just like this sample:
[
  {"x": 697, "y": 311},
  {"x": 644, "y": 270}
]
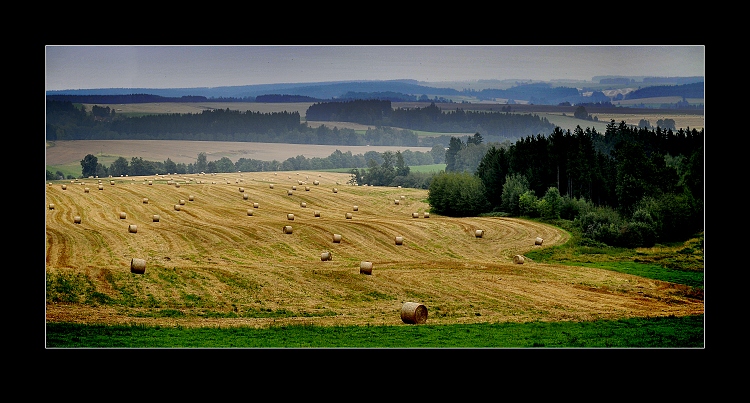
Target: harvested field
[{"x": 210, "y": 264}]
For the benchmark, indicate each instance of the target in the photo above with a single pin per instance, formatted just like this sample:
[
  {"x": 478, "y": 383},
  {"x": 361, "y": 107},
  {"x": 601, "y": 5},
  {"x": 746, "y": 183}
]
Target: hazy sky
[{"x": 151, "y": 66}]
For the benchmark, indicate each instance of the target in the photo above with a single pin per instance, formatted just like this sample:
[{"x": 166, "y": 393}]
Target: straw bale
[
  {"x": 287, "y": 229},
  {"x": 518, "y": 259},
  {"x": 538, "y": 241},
  {"x": 365, "y": 268},
  {"x": 399, "y": 240},
  {"x": 336, "y": 238},
  {"x": 137, "y": 266},
  {"x": 413, "y": 313},
  {"x": 479, "y": 233},
  {"x": 132, "y": 228},
  {"x": 326, "y": 256},
  {"x": 77, "y": 219},
  {"x": 156, "y": 218},
  {"x": 123, "y": 215}
]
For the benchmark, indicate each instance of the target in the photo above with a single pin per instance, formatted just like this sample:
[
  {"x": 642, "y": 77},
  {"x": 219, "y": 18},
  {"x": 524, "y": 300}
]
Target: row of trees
[
  {"x": 65, "y": 121},
  {"x": 628, "y": 186},
  {"x": 137, "y": 166}
]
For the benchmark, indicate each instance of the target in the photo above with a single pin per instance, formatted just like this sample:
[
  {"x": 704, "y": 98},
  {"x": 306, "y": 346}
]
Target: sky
[{"x": 154, "y": 66}]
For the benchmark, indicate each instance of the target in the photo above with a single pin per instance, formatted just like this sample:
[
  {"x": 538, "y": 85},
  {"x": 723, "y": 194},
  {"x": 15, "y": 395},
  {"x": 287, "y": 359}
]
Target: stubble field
[{"x": 213, "y": 264}]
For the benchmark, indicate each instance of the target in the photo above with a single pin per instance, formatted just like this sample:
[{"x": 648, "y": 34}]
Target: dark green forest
[{"x": 626, "y": 187}]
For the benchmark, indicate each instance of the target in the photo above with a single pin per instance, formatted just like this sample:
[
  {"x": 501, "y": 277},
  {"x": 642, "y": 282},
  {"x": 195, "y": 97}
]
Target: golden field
[{"x": 220, "y": 260}]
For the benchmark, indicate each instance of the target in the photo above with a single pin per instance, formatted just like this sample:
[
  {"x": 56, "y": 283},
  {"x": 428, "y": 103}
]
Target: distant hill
[{"x": 395, "y": 90}]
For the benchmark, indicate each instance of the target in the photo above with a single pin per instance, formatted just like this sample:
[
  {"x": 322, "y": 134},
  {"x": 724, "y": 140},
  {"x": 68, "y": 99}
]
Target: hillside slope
[{"x": 212, "y": 264}]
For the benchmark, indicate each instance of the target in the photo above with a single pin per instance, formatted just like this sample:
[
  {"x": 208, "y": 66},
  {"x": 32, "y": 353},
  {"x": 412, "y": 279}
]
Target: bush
[
  {"x": 457, "y": 194},
  {"x": 572, "y": 208},
  {"x": 636, "y": 234},
  {"x": 601, "y": 224},
  {"x": 528, "y": 204}
]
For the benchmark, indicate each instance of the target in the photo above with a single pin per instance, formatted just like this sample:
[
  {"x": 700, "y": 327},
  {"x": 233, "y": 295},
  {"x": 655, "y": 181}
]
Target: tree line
[
  {"x": 137, "y": 166},
  {"x": 66, "y": 121},
  {"x": 627, "y": 187}
]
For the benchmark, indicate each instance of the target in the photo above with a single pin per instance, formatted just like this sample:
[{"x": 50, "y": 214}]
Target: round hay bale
[
  {"x": 145, "y": 200},
  {"x": 365, "y": 268},
  {"x": 399, "y": 240},
  {"x": 518, "y": 259},
  {"x": 85, "y": 190},
  {"x": 255, "y": 205},
  {"x": 316, "y": 214},
  {"x": 290, "y": 217},
  {"x": 101, "y": 187},
  {"x": 316, "y": 183},
  {"x": 403, "y": 197},
  {"x": 287, "y": 229},
  {"x": 249, "y": 212},
  {"x": 414, "y": 215},
  {"x": 336, "y": 238},
  {"x": 156, "y": 218},
  {"x": 479, "y": 233},
  {"x": 150, "y": 182},
  {"x": 335, "y": 190},
  {"x": 294, "y": 187},
  {"x": 289, "y": 193},
  {"x": 137, "y": 266},
  {"x": 426, "y": 214},
  {"x": 191, "y": 198},
  {"x": 245, "y": 196},
  {"x": 413, "y": 313},
  {"x": 355, "y": 208},
  {"x": 123, "y": 215},
  {"x": 307, "y": 188},
  {"x": 111, "y": 182},
  {"x": 538, "y": 241},
  {"x": 303, "y": 204},
  {"x": 326, "y": 256},
  {"x": 132, "y": 228},
  {"x": 77, "y": 219},
  {"x": 177, "y": 184},
  {"x": 349, "y": 216},
  {"x": 176, "y": 207},
  {"x": 395, "y": 202},
  {"x": 182, "y": 202},
  {"x": 270, "y": 186},
  {"x": 242, "y": 190},
  {"x": 64, "y": 187},
  {"x": 51, "y": 206}
]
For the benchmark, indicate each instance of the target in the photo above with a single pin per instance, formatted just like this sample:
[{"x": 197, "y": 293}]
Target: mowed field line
[{"x": 212, "y": 256}]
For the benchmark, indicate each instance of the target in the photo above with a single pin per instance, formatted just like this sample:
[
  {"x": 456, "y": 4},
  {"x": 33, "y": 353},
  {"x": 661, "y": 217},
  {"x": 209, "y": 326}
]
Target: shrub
[
  {"x": 528, "y": 204},
  {"x": 457, "y": 194},
  {"x": 601, "y": 224},
  {"x": 552, "y": 204},
  {"x": 636, "y": 234}
]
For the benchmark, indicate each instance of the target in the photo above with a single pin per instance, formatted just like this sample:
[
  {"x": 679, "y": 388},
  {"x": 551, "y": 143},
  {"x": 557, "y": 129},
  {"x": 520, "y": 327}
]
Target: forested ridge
[{"x": 66, "y": 121}]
